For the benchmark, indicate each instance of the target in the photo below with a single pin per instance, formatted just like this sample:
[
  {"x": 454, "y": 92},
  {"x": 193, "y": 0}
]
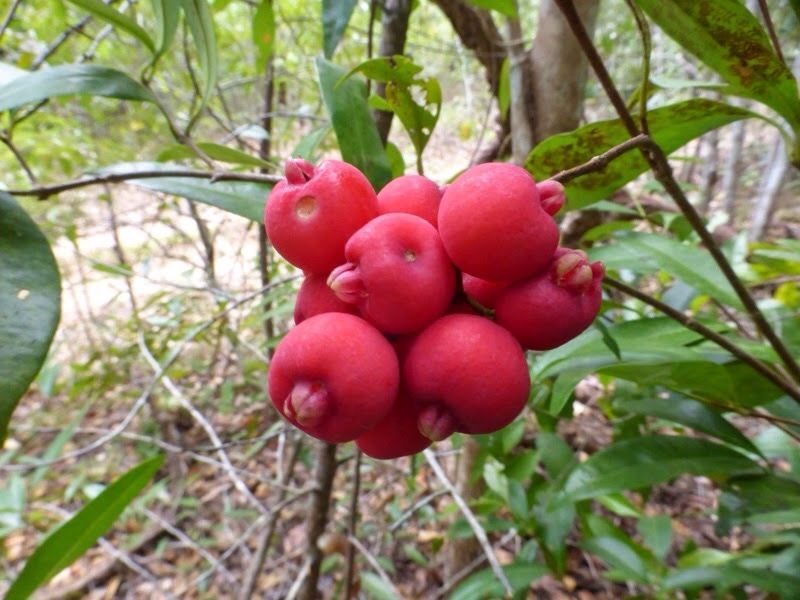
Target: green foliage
[
  {"x": 730, "y": 40},
  {"x": 117, "y": 19},
  {"x": 671, "y": 126},
  {"x": 69, "y": 80},
  {"x": 335, "y": 17},
  {"x": 30, "y": 304},
  {"x": 359, "y": 142},
  {"x": 75, "y": 536}
]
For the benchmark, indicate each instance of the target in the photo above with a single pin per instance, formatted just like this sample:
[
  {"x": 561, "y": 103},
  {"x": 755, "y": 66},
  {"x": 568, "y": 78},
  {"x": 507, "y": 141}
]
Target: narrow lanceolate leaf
[
  {"x": 243, "y": 198},
  {"x": 688, "y": 263},
  {"x": 215, "y": 151},
  {"x": 68, "y": 80},
  {"x": 166, "y": 14},
  {"x": 729, "y": 39},
  {"x": 359, "y": 142},
  {"x": 693, "y": 414},
  {"x": 649, "y": 460},
  {"x": 30, "y": 304},
  {"x": 335, "y": 17},
  {"x": 263, "y": 34},
  {"x": 201, "y": 26},
  {"x": 74, "y": 537},
  {"x": 117, "y": 19},
  {"x": 670, "y": 126}
]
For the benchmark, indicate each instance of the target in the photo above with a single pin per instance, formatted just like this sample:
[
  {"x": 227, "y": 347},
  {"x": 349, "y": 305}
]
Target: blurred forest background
[{"x": 170, "y": 308}]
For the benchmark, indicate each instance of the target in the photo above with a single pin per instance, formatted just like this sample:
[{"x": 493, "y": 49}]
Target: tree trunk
[
  {"x": 559, "y": 70},
  {"x": 730, "y": 177},
  {"x": 710, "y": 160},
  {"x": 394, "y": 27},
  {"x": 519, "y": 76},
  {"x": 774, "y": 174}
]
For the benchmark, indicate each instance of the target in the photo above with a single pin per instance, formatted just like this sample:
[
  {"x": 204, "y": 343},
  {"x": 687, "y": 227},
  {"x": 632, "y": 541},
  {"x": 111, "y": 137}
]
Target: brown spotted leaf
[
  {"x": 730, "y": 40},
  {"x": 671, "y": 127}
]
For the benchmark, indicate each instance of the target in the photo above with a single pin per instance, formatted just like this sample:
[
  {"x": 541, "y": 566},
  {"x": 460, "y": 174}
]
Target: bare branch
[
  {"x": 601, "y": 161},
  {"x": 470, "y": 517},
  {"x": 44, "y": 192}
]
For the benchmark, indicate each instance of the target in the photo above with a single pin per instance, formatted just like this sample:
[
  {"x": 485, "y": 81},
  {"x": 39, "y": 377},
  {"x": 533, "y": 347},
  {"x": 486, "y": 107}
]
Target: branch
[
  {"x": 773, "y": 37},
  {"x": 44, "y": 192},
  {"x": 709, "y": 334},
  {"x": 473, "y": 522},
  {"x": 351, "y": 527},
  {"x": 318, "y": 516},
  {"x": 7, "y": 21},
  {"x": 662, "y": 170},
  {"x": 601, "y": 161}
]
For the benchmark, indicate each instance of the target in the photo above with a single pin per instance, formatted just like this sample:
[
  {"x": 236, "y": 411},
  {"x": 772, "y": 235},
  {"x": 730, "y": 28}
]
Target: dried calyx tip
[
  {"x": 307, "y": 403},
  {"x": 345, "y": 281},
  {"x": 298, "y": 170},
  {"x": 573, "y": 271},
  {"x": 436, "y": 423}
]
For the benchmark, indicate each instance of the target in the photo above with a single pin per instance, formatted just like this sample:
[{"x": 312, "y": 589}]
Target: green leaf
[
  {"x": 417, "y": 102},
  {"x": 649, "y": 460},
  {"x": 307, "y": 146},
  {"x": 507, "y": 8},
  {"x": 166, "y": 14},
  {"x": 335, "y": 17},
  {"x": 671, "y": 127},
  {"x": 117, "y": 19},
  {"x": 396, "y": 160},
  {"x": 693, "y": 414},
  {"x": 67, "y": 80},
  {"x": 616, "y": 553},
  {"x": 377, "y": 588},
  {"x": 263, "y": 34},
  {"x": 690, "y": 264},
  {"x": 30, "y": 304},
  {"x": 484, "y": 584},
  {"x": 608, "y": 339},
  {"x": 241, "y": 198},
  {"x": 56, "y": 446},
  {"x": 201, "y": 26},
  {"x": 724, "y": 577},
  {"x": 729, "y": 39},
  {"x": 358, "y": 138},
  {"x": 215, "y": 151},
  {"x": 74, "y": 537},
  {"x": 656, "y": 532}
]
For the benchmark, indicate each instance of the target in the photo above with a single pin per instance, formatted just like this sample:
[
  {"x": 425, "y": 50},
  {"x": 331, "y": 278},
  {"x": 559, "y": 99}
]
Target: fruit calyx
[
  {"x": 298, "y": 171},
  {"x": 573, "y": 271},
  {"x": 346, "y": 282},
  {"x": 436, "y": 423},
  {"x": 307, "y": 403},
  {"x": 551, "y": 196}
]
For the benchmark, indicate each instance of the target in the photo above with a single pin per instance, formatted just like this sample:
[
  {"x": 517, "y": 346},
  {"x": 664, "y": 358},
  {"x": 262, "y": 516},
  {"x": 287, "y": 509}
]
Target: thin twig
[
  {"x": 354, "y": 542},
  {"x": 46, "y": 191},
  {"x": 10, "y": 15},
  {"x": 773, "y": 37},
  {"x": 479, "y": 532},
  {"x": 351, "y": 527},
  {"x": 257, "y": 562},
  {"x": 707, "y": 333},
  {"x": 601, "y": 161},
  {"x": 6, "y": 139},
  {"x": 205, "y": 425},
  {"x": 662, "y": 170}
]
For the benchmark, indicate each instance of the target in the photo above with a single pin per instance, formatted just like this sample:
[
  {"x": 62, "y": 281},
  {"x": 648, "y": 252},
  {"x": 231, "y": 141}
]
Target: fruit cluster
[{"x": 418, "y": 302}]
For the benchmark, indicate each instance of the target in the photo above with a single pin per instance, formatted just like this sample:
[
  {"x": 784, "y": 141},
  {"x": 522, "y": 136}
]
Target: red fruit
[
  {"x": 468, "y": 374},
  {"x": 551, "y": 196},
  {"x": 398, "y": 273},
  {"x": 311, "y": 214},
  {"x": 413, "y": 194},
  {"x": 315, "y": 298},
  {"x": 482, "y": 291},
  {"x": 553, "y": 307},
  {"x": 493, "y": 225},
  {"x": 334, "y": 376},
  {"x": 396, "y": 434}
]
